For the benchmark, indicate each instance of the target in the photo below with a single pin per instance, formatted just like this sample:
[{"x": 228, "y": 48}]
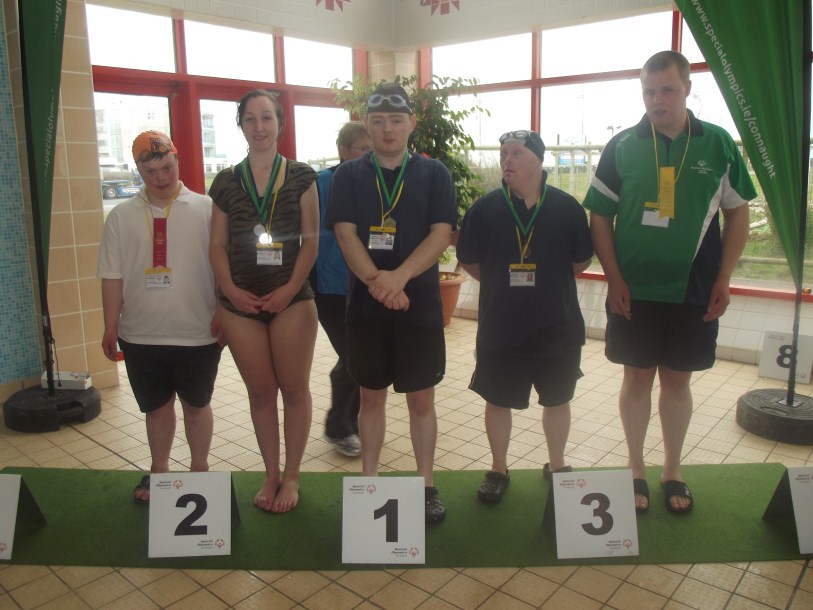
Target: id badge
[
  {"x": 522, "y": 274},
  {"x": 269, "y": 254},
  {"x": 158, "y": 277},
  {"x": 381, "y": 238},
  {"x": 652, "y": 216}
]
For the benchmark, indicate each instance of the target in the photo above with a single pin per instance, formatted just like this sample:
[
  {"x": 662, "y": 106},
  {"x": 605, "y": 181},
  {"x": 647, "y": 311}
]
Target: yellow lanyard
[
  {"x": 682, "y": 161},
  {"x": 385, "y": 215},
  {"x": 277, "y": 187}
]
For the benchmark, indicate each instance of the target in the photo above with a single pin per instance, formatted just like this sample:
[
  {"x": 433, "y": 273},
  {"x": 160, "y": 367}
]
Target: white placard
[
  {"x": 774, "y": 360},
  {"x": 595, "y": 514},
  {"x": 9, "y": 499},
  {"x": 801, "y": 491},
  {"x": 190, "y": 514},
  {"x": 383, "y": 520}
]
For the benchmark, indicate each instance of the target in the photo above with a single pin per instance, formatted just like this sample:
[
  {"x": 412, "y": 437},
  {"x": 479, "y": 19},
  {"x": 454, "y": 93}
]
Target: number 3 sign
[
  {"x": 595, "y": 514},
  {"x": 190, "y": 514},
  {"x": 383, "y": 520}
]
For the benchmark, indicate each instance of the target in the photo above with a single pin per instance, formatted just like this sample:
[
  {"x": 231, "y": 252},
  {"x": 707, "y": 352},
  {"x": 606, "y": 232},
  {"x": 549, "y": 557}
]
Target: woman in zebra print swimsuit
[{"x": 265, "y": 231}]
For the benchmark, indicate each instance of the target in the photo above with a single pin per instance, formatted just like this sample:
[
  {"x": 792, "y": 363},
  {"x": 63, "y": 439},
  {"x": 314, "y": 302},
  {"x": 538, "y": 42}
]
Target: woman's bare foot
[
  {"x": 267, "y": 495},
  {"x": 287, "y": 497}
]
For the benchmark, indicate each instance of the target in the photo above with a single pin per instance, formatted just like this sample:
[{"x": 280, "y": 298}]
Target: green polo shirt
[{"x": 656, "y": 255}]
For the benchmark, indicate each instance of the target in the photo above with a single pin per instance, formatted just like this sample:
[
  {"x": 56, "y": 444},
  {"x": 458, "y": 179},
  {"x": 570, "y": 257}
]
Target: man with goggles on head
[
  {"x": 525, "y": 242},
  {"x": 393, "y": 213}
]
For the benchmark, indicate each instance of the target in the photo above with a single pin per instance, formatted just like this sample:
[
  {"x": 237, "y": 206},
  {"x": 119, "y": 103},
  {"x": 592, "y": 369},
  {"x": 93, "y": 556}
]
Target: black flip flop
[
  {"x": 678, "y": 489},
  {"x": 641, "y": 488},
  {"x": 548, "y": 473},
  {"x": 143, "y": 485}
]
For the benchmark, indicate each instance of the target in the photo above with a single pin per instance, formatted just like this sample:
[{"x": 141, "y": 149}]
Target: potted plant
[{"x": 438, "y": 134}]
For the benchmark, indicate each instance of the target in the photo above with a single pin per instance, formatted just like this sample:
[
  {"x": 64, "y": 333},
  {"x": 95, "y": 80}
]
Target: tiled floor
[{"x": 116, "y": 440}]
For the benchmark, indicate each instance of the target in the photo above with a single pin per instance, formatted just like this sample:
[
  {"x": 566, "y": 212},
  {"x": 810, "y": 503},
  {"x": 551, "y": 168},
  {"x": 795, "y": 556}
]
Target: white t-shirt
[{"x": 180, "y": 314}]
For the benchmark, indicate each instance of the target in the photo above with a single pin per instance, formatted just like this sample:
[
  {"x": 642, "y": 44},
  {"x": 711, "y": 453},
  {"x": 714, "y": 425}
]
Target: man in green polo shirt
[{"x": 654, "y": 218}]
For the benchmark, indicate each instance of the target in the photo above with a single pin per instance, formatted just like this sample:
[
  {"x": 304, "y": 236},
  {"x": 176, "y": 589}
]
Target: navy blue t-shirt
[
  {"x": 427, "y": 198},
  {"x": 544, "y": 319}
]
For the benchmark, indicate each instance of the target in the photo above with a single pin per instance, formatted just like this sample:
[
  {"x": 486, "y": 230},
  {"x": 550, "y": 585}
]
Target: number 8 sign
[
  {"x": 383, "y": 520},
  {"x": 595, "y": 514}
]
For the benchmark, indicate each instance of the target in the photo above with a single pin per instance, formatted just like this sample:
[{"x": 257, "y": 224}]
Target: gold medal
[{"x": 389, "y": 222}]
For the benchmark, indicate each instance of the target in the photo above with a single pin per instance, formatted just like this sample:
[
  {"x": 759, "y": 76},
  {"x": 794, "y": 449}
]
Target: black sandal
[
  {"x": 143, "y": 485},
  {"x": 493, "y": 486},
  {"x": 548, "y": 473},
  {"x": 677, "y": 489},
  {"x": 641, "y": 488}
]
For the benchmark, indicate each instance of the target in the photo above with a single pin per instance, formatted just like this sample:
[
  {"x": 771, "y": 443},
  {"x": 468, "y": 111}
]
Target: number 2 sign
[
  {"x": 383, "y": 520},
  {"x": 190, "y": 514},
  {"x": 595, "y": 514}
]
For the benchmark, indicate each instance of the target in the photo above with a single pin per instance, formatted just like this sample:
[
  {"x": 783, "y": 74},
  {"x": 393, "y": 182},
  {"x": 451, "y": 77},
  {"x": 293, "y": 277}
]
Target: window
[
  {"x": 690, "y": 49},
  {"x": 508, "y": 110},
  {"x": 489, "y": 61},
  {"x": 316, "y": 64},
  {"x": 606, "y": 46},
  {"x": 209, "y": 52},
  {"x": 316, "y": 132},
  {"x": 223, "y": 142},
  {"x": 119, "y": 119},
  {"x": 589, "y": 113},
  {"x": 126, "y": 39}
]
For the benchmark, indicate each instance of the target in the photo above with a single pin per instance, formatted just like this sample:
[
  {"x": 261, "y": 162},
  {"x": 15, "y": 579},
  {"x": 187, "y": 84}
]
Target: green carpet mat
[{"x": 92, "y": 520}]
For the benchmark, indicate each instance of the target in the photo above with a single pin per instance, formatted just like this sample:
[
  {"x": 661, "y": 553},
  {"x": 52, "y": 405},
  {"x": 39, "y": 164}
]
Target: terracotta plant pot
[{"x": 449, "y": 292}]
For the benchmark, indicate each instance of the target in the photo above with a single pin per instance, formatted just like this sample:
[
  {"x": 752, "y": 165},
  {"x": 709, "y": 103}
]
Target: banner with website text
[
  {"x": 42, "y": 30},
  {"x": 757, "y": 54}
]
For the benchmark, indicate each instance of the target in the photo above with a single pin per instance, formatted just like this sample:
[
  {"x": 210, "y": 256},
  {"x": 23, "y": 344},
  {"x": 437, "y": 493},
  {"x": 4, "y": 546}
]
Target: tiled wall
[
  {"x": 19, "y": 334},
  {"x": 74, "y": 295}
]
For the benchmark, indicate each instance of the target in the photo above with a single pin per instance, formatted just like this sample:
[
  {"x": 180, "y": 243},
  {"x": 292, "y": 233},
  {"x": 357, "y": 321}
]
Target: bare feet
[
  {"x": 267, "y": 495},
  {"x": 287, "y": 497}
]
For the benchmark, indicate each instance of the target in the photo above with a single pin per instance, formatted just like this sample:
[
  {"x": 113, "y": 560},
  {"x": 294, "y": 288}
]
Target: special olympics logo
[
  {"x": 3, "y": 547},
  {"x": 177, "y": 484},
  {"x": 220, "y": 543},
  {"x": 414, "y": 552},
  {"x": 580, "y": 483},
  {"x": 371, "y": 489},
  {"x": 627, "y": 543}
]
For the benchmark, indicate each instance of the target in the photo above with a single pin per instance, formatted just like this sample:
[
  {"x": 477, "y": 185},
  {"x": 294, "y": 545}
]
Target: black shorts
[
  {"x": 384, "y": 352},
  {"x": 669, "y": 334},
  {"x": 157, "y": 372},
  {"x": 505, "y": 379}
]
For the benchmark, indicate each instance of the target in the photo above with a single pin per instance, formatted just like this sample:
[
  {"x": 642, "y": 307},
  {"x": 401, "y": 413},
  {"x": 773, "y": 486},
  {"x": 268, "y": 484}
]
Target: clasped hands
[
  {"x": 387, "y": 288},
  {"x": 273, "y": 302}
]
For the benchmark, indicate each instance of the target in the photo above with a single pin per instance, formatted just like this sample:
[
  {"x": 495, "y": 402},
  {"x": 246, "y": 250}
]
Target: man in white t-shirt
[{"x": 158, "y": 295}]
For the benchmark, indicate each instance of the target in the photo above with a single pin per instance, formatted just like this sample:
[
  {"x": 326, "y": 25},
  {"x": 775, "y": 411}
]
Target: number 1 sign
[{"x": 383, "y": 520}]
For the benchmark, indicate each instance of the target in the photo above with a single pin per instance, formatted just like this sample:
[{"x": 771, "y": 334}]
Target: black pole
[{"x": 42, "y": 276}]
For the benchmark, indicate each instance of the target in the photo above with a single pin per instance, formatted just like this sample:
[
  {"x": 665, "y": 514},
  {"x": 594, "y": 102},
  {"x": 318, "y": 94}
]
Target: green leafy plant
[{"x": 439, "y": 133}]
